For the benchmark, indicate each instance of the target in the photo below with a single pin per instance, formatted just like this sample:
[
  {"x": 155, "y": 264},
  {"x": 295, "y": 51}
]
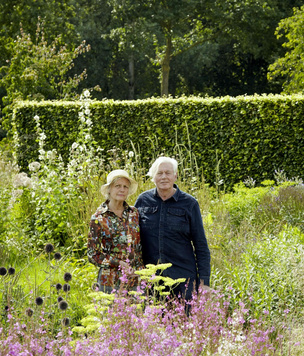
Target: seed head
[
  {"x": 49, "y": 248},
  {"x": 39, "y": 301},
  {"x": 59, "y": 299},
  {"x": 57, "y": 256},
  {"x": 95, "y": 286},
  {"x": 63, "y": 305},
  {"x": 65, "y": 321},
  {"x": 29, "y": 312},
  {"x": 11, "y": 271},
  {"x": 67, "y": 277},
  {"x": 58, "y": 286},
  {"x": 66, "y": 287},
  {"x": 3, "y": 271}
]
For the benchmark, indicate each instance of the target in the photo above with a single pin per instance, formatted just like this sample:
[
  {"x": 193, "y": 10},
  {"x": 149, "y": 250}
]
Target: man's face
[{"x": 165, "y": 176}]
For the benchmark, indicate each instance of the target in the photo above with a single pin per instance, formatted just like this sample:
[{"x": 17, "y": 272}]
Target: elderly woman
[{"x": 114, "y": 240}]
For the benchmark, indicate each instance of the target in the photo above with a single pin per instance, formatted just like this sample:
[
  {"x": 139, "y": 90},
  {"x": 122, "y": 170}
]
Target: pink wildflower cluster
[{"x": 205, "y": 325}]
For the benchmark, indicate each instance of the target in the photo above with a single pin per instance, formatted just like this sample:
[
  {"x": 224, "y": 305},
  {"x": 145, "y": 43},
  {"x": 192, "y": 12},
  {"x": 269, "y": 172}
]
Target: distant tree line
[{"x": 134, "y": 49}]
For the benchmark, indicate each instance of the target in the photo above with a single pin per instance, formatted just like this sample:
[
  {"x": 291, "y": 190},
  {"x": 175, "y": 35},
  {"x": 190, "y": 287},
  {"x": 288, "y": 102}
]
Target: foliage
[
  {"x": 45, "y": 203},
  {"x": 233, "y": 62},
  {"x": 57, "y": 16},
  {"x": 263, "y": 274},
  {"x": 222, "y": 25},
  {"x": 38, "y": 69},
  {"x": 255, "y": 234},
  {"x": 290, "y": 66},
  {"x": 285, "y": 205},
  {"x": 124, "y": 324},
  {"x": 248, "y": 136},
  {"x": 243, "y": 201}
]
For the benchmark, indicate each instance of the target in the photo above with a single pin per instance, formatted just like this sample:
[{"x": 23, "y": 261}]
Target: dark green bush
[{"x": 247, "y": 136}]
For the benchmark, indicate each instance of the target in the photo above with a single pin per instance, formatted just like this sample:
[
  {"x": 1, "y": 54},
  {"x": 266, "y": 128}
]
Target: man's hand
[{"x": 203, "y": 287}]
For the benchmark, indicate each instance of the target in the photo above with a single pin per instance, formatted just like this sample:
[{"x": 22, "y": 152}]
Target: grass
[{"x": 256, "y": 238}]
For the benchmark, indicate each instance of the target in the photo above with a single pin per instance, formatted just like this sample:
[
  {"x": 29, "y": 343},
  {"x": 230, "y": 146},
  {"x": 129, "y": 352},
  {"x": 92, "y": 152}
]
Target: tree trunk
[
  {"x": 166, "y": 68},
  {"x": 131, "y": 77}
]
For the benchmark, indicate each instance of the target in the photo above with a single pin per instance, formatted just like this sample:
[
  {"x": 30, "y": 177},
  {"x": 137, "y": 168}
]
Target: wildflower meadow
[{"x": 49, "y": 304}]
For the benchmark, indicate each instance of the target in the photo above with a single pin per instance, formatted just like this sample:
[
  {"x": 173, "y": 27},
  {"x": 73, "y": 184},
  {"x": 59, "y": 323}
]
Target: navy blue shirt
[{"x": 172, "y": 231}]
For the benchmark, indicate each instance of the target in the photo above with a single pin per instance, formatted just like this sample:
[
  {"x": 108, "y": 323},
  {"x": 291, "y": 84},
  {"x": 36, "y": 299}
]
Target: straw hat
[{"x": 119, "y": 173}]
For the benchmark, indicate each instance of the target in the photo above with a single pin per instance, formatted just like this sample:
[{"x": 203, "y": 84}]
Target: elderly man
[{"x": 171, "y": 229}]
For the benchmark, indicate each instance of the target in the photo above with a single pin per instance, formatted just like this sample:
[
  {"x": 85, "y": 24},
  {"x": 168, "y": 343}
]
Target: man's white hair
[{"x": 154, "y": 168}]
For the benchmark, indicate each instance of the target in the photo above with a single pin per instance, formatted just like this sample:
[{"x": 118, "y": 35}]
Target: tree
[
  {"x": 290, "y": 67},
  {"x": 128, "y": 30},
  {"x": 163, "y": 22},
  {"x": 57, "y": 15},
  {"x": 39, "y": 70},
  {"x": 177, "y": 27}
]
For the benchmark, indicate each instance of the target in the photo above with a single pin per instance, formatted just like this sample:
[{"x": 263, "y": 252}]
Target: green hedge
[{"x": 250, "y": 135}]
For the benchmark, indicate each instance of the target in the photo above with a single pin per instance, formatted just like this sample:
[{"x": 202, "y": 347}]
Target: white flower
[
  {"x": 86, "y": 93},
  {"x": 52, "y": 174},
  {"x": 42, "y": 136},
  {"x": 36, "y": 118},
  {"x": 22, "y": 180},
  {"x": 87, "y": 137},
  {"x": 81, "y": 117},
  {"x": 50, "y": 154},
  {"x": 75, "y": 145},
  {"x": 131, "y": 154},
  {"x": 73, "y": 163},
  {"x": 89, "y": 122},
  {"x": 34, "y": 166},
  {"x": 87, "y": 111},
  {"x": 17, "y": 193}
]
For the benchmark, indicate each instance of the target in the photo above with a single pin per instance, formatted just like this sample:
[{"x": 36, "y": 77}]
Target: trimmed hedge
[{"x": 250, "y": 135}]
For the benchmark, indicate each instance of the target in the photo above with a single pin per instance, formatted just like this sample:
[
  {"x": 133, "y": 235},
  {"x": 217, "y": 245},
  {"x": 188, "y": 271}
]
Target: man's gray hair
[{"x": 154, "y": 168}]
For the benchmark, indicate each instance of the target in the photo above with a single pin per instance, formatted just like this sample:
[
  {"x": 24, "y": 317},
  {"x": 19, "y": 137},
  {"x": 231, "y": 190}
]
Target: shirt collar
[
  {"x": 104, "y": 207},
  {"x": 175, "y": 196}
]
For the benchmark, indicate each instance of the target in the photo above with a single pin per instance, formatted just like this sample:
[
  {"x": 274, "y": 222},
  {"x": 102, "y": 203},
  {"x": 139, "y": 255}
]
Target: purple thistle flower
[
  {"x": 66, "y": 287},
  {"x": 29, "y": 312},
  {"x": 39, "y": 301},
  {"x": 95, "y": 286},
  {"x": 57, "y": 256},
  {"x": 63, "y": 305},
  {"x": 48, "y": 248},
  {"x": 3, "y": 271},
  {"x": 11, "y": 271},
  {"x": 67, "y": 277},
  {"x": 65, "y": 321}
]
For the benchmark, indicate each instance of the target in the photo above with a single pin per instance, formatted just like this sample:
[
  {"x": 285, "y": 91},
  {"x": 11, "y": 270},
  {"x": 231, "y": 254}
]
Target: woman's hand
[{"x": 126, "y": 268}]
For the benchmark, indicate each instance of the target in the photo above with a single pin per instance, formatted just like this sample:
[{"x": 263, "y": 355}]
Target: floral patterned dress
[{"x": 113, "y": 239}]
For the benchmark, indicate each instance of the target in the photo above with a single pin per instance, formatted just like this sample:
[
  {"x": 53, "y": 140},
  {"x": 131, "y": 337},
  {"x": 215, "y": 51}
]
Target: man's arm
[{"x": 200, "y": 244}]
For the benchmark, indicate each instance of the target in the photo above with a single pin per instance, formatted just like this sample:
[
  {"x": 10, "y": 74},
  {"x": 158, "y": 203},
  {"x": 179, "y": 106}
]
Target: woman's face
[{"x": 119, "y": 189}]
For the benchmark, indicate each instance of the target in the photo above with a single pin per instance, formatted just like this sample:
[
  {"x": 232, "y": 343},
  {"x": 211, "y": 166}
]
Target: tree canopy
[
  {"x": 290, "y": 67},
  {"x": 148, "y": 48}
]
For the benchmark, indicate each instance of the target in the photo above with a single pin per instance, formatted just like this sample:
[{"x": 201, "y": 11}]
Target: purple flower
[
  {"x": 48, "y": 248},
  {"x": 67, "y": 277},
  {"x": 3, "y": 271}
]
